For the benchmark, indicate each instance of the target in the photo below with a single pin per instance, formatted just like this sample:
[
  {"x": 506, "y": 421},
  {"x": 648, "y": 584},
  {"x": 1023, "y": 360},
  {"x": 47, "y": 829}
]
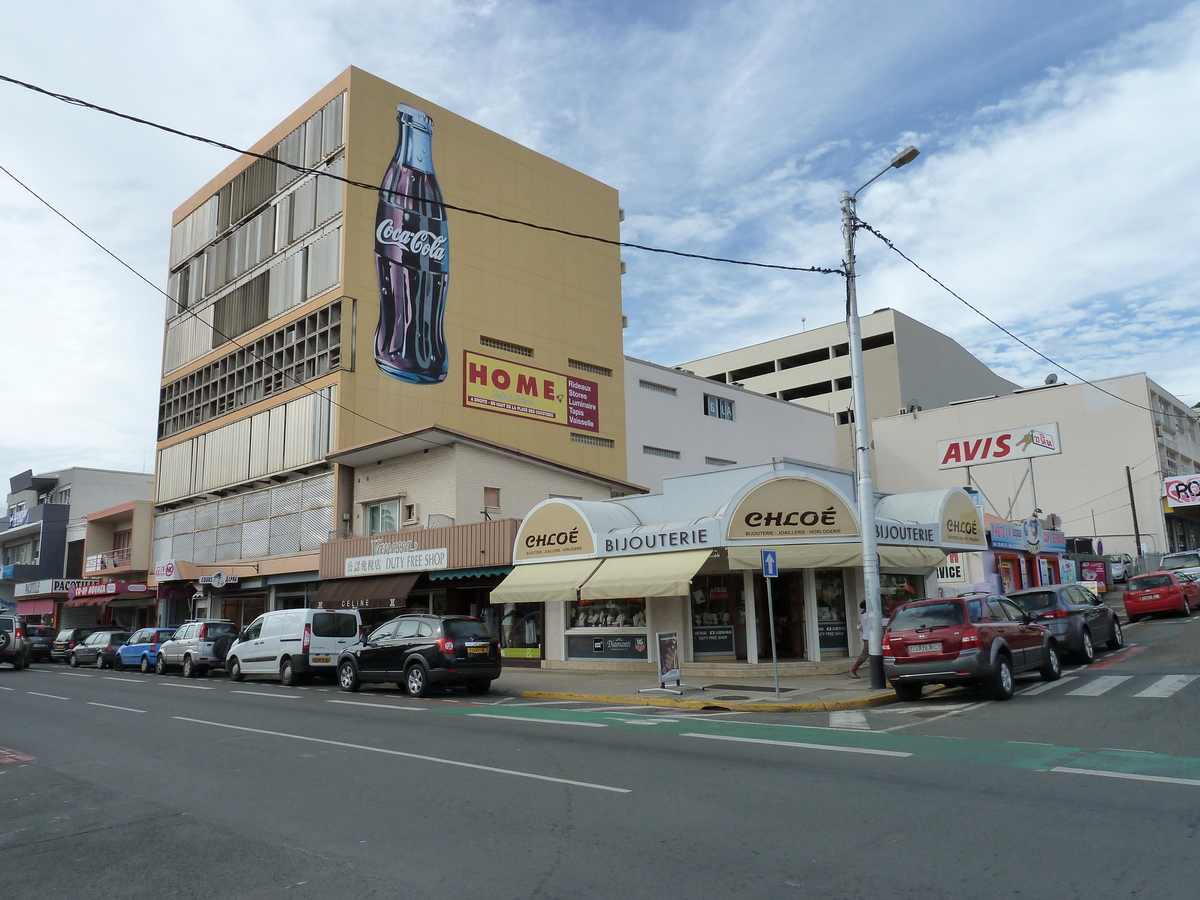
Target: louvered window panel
[
  {"x": 164, "y": 526},
  {"x": 285, "y": 534},
  {"x": 181, "y": 546},
  {"x": 206, "y": 516},
  {"x": 315, "y": 492},
  {"x": 255, "y": 539},
  {"x": 204, "y": 546},
  {"x": 161, "y": 549},
  {"x": 324, "y": 257},
  {"x": 230, "y": 511},
  {"x": 315, "y": 525},
  {"x": 330, "y": 191},
  {"x": 229, "y": 542},
  {"x": 185, "y": 521},
  {"x": 257, "y": 505},
  {"x": 285, "y": 498}
]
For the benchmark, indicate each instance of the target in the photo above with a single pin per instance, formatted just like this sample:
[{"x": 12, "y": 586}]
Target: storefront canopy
[
  {"x": 545, "y": 581},
  {"x": 89, "y": 601},
  {"x": 648, "y": 575},
  {"x": 835, "y": 556},
  {"x": 364, "y": 593}
]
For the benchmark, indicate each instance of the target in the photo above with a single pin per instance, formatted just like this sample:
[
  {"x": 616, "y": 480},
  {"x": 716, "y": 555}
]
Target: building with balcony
[
  {"x": 116, "y": 562},
  {"x": 907, "y": 365}
]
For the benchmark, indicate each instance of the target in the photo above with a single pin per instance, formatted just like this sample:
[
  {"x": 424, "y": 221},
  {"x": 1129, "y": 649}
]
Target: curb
[{"x": 876, "y": 699}]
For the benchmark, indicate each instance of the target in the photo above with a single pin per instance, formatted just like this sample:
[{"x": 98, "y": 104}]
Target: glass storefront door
[
  {"x": 718, "y": 612},
  {"x": 788, "y": 600}
]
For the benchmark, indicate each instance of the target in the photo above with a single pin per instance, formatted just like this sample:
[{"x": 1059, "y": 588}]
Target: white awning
[
  {"x": 543, "y": 582},
  {"x": 834, "y": 556},
  {"x": 647, "y": 575}
]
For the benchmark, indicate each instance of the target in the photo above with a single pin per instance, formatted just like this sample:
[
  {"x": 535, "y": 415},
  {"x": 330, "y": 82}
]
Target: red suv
[{"x": 976, "y": 638}]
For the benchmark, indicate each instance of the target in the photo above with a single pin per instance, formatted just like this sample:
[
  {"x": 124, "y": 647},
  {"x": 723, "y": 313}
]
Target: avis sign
[{"x": 999, "y": 446}]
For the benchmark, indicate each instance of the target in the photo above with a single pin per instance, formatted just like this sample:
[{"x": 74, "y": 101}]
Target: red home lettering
[
  {"x": 547, "y": 388},
  {"x": 501, "y": 379},
  {"x": 477, "y": 374},
  {"x": 527, "y": 384}
]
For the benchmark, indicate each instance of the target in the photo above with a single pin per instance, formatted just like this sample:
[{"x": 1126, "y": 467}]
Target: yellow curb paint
[{"x": 881, "y": 699}]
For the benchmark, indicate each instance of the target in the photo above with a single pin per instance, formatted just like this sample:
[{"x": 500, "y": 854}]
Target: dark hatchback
[
  {"x": 1076, "y": 617},
  {"x": 422, "y": 651},
  {"x": 41, "y": 641},
  {"x": 68, "y": 639}
]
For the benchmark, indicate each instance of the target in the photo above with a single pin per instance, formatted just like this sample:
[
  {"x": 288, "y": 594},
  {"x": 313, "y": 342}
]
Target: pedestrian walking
[{"x": 862, "y": 633}]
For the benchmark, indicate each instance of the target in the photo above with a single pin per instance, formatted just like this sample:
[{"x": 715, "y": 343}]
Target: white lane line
[
  {"x": 957, "y": 710},
  {"x": 852, "y": 719},
  {"x": 268, "y": 694},
  {"x": 77, "y": 674},
  {"x": 1047, "y": 686},
  {"x": 51, "y": 696},
  {"x": 535, "y": 719},
  {"x": 420, "y": 756},
  {"x": 548, "y": 702},
  {"x": 1098, "y": 686},
  {"x": 379, "y": 705},
  {"x": 194, "y": 687},
  {"x": 796, "y": 744},
  {"x": 2, "y": 688},
  {"x": 126, "y": 680},
  {"x": 1194, "y": 782},
  {"x": 110, "y": 706},
  {"x": 1167, "y": 686}
]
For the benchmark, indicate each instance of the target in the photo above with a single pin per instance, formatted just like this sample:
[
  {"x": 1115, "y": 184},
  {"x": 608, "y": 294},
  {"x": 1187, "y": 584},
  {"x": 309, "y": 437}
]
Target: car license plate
[
  {"x": 1151, "y": 596},
  {"x": 321, "y": 659},
  {"x": 924, "y": 648},
  {"x": 471, "y": 649}
]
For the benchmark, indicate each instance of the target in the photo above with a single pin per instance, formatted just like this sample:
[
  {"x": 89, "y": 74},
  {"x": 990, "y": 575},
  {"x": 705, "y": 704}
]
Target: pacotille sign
[
  {"x": 999, "y": 446},
  {"x": 502, "y": 386}
]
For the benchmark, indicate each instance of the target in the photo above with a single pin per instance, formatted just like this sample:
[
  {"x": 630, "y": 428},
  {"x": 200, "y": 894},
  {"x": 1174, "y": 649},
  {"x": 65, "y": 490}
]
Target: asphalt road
[{"x": 121, "y": 785}]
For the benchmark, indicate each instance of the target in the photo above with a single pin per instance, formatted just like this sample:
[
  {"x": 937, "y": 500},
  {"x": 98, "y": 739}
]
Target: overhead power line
[
  {"x": 75, "y": 101},
  {"x": 1017, "y": 338}
]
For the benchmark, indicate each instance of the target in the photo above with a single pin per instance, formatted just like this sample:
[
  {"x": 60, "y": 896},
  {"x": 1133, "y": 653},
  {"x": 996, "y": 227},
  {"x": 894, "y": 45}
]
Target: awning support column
[{"x": 751, "y": 618}]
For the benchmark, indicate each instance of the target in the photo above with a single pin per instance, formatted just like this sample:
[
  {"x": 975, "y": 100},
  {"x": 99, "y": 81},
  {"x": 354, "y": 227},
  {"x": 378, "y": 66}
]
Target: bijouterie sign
[{"x": 999, "y": 446}]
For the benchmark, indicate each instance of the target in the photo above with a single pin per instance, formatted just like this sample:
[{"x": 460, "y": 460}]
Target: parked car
[
  {"x": 14, "y": 648},
  {"x": 420, "y": 651},
  {"x": 1121, "y": 566},
  {"x": 1160, "y": 592},
  {"x": 1184, "y": 561},
  {"x": 98, "y": 650},
  {"x": 1076, "y": 617},
  {"x": 293, "y": 643},
  {"x": 198, "y": 645},
  {"x": 41, "y": 641},
  {"x": 68, "y": 639},
  {"x": 971, "y": 639},
  {"x": 141, "y": 650}
]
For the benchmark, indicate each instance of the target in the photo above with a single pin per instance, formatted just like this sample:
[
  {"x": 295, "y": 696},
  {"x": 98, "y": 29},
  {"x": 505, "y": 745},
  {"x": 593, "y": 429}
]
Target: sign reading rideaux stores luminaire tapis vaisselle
[
  {"x": 513, "y": 389},
  {"x": 999, "y": 446}
]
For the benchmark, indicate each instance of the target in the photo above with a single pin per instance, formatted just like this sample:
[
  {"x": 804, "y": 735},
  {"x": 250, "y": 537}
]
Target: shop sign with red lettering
[
  {"x": 999, "y": 446},
  {"x": 1182, "y": 490},
  {"x": 503, "y": 386}
]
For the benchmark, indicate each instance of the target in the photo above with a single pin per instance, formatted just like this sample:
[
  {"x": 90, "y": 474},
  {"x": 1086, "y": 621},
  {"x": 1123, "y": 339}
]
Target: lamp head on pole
[{"x": 905, "y": 156}]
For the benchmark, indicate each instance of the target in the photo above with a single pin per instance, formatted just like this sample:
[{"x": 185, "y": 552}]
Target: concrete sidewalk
[{"x": 798, "y": 693}]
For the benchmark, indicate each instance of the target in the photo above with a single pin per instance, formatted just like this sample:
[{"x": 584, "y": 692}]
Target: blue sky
[{"x": 1056, "y": 187}]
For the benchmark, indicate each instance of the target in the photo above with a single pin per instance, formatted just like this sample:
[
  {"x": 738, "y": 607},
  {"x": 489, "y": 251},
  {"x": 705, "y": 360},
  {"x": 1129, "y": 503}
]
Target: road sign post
[{"x": 770, "y": 568}]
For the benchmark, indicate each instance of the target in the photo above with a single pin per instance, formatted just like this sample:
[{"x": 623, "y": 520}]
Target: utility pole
[{"x": 1137, "y": 534}]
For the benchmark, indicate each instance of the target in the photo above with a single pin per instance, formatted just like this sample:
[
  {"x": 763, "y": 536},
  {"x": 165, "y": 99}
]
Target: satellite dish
[{"x": 1051, "y": 379}]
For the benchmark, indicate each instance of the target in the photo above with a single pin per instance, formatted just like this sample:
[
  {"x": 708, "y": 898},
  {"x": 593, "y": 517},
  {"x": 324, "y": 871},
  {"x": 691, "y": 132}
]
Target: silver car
[
  {"x": 198, "y": 645},
  {"x": 14, "y": 647},
  {"x": 1120, "y": 566}
]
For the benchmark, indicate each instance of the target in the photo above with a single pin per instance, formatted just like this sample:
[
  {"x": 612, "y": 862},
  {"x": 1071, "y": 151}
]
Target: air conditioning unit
[
  {"x": 1158, "y": 431},
  {"x": 410, "y": 513}
]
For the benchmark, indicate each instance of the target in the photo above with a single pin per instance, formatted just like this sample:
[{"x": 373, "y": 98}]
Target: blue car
[{"x": 141, "y": 649}]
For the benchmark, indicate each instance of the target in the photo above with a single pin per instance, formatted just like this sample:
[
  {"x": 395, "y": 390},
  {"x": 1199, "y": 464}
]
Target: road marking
[
  {"x": 1110, "y": 661},
  {"x": 798, "y": 745},
  {"x": 126, "y": 680},
  {"x": 956, "y": 710},
  {"x": 194, "y": 687},
  {"x": 548, "y": 702},
  {"x": 379, "y": 705},
  {"x": 1167, "y": 686},
  {"x": 266, "y": 694},
  {"x": 51, "y": 696},
  {"x": 12, "y": 756},
  {"x": 77, "y": 674},
  {"x": 406, "y": 755},
  {"x": 853, "y": 719},
  {"x": 2, "y": 688},
  {"x": 110, "y": 706},
  {"x": 1194, "y": 782},
  {"x": 1098, "y": 686},
  {"x": 541, "y": 721},
  {"x": 1047, "y": 686}
]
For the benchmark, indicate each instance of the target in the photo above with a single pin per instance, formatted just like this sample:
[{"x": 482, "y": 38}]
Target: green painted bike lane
[{"x": 1012, "y": 754}]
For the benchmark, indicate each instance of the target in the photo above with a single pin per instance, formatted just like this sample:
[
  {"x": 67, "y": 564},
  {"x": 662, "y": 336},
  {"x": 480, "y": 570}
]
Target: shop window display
[
  {"x": 831, "y": 612},
  {"x": 718, "y": 610},
  {"x": 896, "y": 590},
  {"x": 626, "y": 613}
]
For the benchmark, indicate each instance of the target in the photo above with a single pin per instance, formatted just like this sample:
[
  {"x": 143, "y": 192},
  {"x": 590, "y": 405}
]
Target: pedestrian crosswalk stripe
[
  {"x": 849, "y": 718},
  {"x": 1048, "y": 685},
  {"x": 1098, "y": 686},
  {"x": 1167, "y": 686}
]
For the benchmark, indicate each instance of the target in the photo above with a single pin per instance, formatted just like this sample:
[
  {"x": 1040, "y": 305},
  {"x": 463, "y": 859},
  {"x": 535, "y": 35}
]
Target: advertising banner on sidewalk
[{"x": 668, "y": 656}]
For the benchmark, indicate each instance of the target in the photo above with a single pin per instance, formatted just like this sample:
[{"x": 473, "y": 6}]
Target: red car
[{"x": 1160, "y": 592}]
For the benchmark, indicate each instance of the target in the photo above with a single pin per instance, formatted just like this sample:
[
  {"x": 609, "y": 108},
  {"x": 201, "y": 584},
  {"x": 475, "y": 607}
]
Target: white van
[{"x": 292, "y": 643}]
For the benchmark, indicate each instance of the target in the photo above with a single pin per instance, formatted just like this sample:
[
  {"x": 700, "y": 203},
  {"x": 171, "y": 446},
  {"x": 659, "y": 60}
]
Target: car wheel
[
  {"x": 1052, "y": 669},
  {"x": 1086, "y": 652},
  {"x": 1132, "y": 618},
  {"x": 908, "y": 690},
  {"x": 74, "y": 661},
  {"x": 348, "y": 676},
  {"x": 189, "y": 670},
  {"x": 1117, "y": 641},
  {"x": 99, "y": 660},
  {"x": 160, "y": 665},
  {"x": 479, "y": 687},
  {"x": 287, "y": 673},
  {"x": 118, "y": 663},
  {"x": 416, "y": 681},
  {"x": 146, "y": 666},
  {"x": 1000, "y": 685},
  {"x": 235, "y": 669},
  {"x": 1187, "y": 609}
]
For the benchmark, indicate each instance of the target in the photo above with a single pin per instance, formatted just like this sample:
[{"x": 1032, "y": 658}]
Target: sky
[{"x": 1056, "y": 190}]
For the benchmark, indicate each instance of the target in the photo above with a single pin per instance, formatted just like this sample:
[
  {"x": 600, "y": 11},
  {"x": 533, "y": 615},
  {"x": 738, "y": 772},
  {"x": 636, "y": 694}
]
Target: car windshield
[
  {"x": 1145, "y": 582},
  {"x": 1034, "y": 601},
  {"x": 467, "y": 629},
  {"x": 65, "y": 634},
  {"x": 333, "y": 624},
  {"x": 928, "y": 615},
  {"x": 1181, "y": 561}
]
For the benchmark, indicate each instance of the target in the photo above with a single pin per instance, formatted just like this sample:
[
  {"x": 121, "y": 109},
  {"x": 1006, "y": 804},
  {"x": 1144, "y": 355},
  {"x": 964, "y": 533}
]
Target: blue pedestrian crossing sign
[{"x": 770, "y": 565}]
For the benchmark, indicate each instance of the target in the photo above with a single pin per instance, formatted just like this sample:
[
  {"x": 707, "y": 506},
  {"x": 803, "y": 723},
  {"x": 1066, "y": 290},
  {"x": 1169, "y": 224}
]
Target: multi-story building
[
  {"x": 43, "y": 534},
  {"x": 116, "y": 558},
  {"x": 907, "y": 365},
  {"x": 284, "y": 351}
]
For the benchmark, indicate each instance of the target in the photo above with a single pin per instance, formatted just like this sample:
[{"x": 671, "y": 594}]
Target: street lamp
[{"x": 862, "y": 443}]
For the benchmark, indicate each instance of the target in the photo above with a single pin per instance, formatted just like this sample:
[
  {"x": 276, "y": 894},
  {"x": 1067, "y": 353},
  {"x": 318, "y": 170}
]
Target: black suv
[
  {"x": 13, "y": 646},
  {"x": 419, "y": 651}
]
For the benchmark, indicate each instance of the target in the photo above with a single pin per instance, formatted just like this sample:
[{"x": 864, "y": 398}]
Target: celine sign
[{"x": 999, "y": 446}]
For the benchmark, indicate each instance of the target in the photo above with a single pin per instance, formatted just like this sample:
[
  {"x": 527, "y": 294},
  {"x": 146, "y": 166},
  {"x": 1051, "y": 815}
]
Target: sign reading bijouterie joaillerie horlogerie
[
  {"x": 791, "y": 508},
  {"x": 395, "y": 558}
]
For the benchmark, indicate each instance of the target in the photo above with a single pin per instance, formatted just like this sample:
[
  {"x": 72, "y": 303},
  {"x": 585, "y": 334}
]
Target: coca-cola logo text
[{"x": 423, "y": 243}]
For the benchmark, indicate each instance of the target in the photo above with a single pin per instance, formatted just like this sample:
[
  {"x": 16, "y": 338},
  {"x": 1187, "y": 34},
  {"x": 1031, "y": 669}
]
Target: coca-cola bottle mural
[{"x": 413, "y": 259}]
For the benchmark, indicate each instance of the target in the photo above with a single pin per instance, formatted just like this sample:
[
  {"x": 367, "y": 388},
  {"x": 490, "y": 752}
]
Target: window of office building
[
  {"x": 718, "y": 407},
  {"x": 383, "y": 517}
]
